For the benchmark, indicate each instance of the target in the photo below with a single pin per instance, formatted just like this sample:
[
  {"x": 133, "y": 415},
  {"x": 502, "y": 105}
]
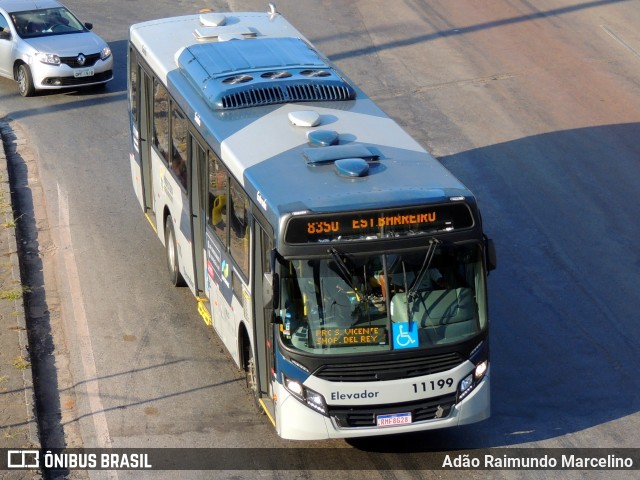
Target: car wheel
[
  {"x": 175, "y": 277},
  {"x": 25, "y": 81}
]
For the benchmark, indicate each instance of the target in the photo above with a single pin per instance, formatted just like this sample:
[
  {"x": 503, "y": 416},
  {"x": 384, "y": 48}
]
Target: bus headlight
[
  {"x": 465, "y": 385},
  {"x": 480, "y": 370},
  {"x": 469, "y": 382},
  {"x": 305, "y": 395}
]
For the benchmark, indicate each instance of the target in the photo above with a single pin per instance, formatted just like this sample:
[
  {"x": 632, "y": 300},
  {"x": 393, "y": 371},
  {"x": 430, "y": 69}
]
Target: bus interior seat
[
  {"x": 382, "y": 283},
  {"x": 219, "y": 209},
  {"x": 450, "y": 313}
]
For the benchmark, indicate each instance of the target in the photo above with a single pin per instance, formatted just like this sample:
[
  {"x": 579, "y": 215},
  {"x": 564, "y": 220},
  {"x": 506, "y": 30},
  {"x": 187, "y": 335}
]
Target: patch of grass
[
  {"x": 12, "y": 223},
  {"x": 14, "y": 293}
]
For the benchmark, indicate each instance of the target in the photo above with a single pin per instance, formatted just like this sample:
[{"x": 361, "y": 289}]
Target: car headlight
[
  {"x": 105, "y": 53},
  {"x": 305, "y": 395},
  {"x": 48, "y": 58}
]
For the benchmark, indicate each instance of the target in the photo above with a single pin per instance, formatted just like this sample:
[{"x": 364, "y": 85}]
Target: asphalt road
[{"x": 535, "y": 105}]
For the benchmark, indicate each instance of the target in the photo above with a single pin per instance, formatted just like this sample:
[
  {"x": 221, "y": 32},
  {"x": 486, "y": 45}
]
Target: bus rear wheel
[{"x": 175, "y": 277}]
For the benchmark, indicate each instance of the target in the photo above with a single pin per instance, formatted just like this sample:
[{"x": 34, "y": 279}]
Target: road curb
[{"x": 12, "y": 310}]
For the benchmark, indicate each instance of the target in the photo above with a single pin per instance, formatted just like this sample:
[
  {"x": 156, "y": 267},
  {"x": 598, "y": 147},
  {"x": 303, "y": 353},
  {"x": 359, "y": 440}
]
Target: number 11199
[{"x": 432, "y": 385}]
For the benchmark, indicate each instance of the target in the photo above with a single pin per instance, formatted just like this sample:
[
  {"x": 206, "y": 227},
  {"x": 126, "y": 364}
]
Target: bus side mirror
[
  {"x": 270, "y": 290},
  {"x": 490, "y": 253}
]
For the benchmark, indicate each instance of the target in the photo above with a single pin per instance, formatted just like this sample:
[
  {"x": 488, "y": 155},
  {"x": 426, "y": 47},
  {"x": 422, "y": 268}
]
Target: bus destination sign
[{"x": 386, "y": 223}]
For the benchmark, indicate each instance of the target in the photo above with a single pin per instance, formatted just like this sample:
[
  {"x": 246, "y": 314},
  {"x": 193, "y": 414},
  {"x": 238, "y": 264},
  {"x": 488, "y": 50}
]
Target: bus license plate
[
  {"x": 393, "y": 419},
  {"x": 83, "y": 72}
]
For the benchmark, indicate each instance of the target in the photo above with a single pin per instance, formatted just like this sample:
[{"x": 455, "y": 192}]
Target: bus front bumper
[{"x": 302, "y": 423}]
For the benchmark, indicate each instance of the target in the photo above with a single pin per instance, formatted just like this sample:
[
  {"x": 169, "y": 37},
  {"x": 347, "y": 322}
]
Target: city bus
[{"x": 341, "y": 265}]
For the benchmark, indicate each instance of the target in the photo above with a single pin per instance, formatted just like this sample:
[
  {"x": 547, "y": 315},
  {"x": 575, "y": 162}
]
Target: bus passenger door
[
  {"x": 263, "y": 315},
  {"x": 197, "y": 193}
]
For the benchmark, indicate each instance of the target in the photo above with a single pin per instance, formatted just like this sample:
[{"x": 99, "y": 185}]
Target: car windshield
[
  {"x": 45, "y": 22},
  {"x": 346, "y": 304}
]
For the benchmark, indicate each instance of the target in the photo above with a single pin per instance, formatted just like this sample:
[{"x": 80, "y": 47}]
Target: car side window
[{"x": 4, "y": 24}]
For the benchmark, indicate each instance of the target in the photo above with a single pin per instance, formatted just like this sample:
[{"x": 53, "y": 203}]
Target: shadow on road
[
  {"x": 37, "y": 312},
  {"x": 565, "y": 345}
]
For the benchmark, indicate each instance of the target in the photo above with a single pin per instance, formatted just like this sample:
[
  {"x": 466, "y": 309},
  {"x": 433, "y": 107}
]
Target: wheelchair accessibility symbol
[{"x": 405, "y": 335}]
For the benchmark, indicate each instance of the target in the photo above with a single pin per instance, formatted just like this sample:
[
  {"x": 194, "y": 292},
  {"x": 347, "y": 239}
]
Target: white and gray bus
[{"x": 342, "y": 266}]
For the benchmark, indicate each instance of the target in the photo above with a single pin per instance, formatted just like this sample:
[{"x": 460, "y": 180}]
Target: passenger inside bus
[{"x": 345, "y": 292}]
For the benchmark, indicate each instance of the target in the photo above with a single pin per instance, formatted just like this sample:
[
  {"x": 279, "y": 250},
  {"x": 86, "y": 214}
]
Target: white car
[{"x": 44, "y": 46}]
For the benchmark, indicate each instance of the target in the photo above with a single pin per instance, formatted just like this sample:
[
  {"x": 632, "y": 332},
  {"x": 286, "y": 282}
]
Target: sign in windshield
[{"x": 368, "y": 335}]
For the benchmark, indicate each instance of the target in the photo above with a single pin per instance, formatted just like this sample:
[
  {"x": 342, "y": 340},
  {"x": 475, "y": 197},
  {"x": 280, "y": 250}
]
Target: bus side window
[
  {"x": 133, "y": 85},
  {"x": 239, "y": 228},
  {"x": 161, "y": 119},
  {"x": 217, "y": 208},
  {"x": 179, "y": 145}
]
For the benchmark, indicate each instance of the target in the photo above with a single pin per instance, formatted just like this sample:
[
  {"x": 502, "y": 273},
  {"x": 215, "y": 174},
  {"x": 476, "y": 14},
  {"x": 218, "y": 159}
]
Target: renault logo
[{"x": 81, "y": 59}]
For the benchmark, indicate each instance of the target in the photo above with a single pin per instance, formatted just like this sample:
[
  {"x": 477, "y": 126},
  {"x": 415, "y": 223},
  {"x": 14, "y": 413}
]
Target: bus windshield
[{"x": 346, "y": 304}]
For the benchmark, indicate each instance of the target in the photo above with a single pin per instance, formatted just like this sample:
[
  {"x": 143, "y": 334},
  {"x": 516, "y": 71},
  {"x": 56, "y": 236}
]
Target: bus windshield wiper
[
  {"x": 433, "y": 244},
  {"x": 343, "y": 270}
]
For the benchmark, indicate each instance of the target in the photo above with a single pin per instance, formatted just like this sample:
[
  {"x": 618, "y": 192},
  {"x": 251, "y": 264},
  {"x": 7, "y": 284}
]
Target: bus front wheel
[{"x": 175, "y": 277}]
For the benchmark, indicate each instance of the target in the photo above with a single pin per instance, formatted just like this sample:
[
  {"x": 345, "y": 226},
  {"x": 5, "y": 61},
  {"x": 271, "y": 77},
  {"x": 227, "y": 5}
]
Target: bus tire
[{"x": 175, "y": 277}]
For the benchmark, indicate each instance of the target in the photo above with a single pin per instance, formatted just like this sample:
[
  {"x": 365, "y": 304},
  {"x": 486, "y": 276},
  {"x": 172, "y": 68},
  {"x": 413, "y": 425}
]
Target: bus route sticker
[{"x": 405, "y": 335}]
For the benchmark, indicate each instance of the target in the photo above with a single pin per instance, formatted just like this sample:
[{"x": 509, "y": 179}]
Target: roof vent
[
  {"x": 315, "y": 73},
  {"x": 282, "y": 69},
  {"x": 352, "y": 167},
  {"x": 235, "y": 79},
  {"x": 276, "y": 75},
  {"x": 322, "y": 138},
  {"x": 331, "y": 154},
  {"x": 213, "y": 19},
  {"x": 304, "y": 118}
]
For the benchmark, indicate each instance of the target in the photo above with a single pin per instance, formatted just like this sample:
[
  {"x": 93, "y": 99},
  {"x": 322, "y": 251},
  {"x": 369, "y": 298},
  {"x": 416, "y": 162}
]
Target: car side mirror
[
  {"x": 5, "y": 34},
  {"x": 88, "y": 25}
]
